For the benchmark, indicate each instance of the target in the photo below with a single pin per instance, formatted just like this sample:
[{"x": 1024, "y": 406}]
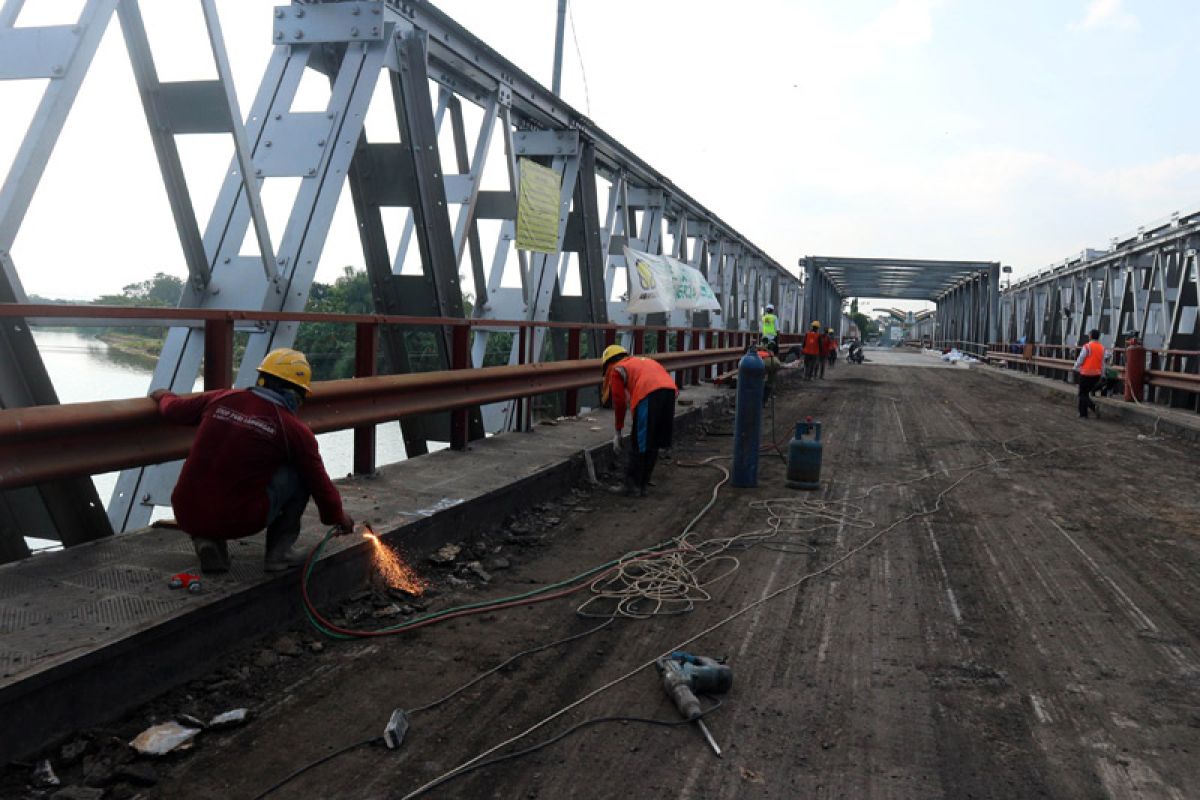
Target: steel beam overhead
[{"x": 902, "y": 279}]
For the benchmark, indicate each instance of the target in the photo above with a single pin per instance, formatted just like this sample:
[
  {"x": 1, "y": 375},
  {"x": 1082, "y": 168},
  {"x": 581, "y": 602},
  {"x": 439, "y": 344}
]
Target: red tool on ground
[{"x": 185, "y": 580}]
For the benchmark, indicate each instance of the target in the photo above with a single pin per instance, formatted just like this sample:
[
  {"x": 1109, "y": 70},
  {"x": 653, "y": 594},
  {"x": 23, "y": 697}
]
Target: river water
[{"x": 85, "y": 369}]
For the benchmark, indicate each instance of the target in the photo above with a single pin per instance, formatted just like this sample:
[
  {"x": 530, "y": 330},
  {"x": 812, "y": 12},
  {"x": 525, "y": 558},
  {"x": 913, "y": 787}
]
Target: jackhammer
[{"x": 685, "y": 675}]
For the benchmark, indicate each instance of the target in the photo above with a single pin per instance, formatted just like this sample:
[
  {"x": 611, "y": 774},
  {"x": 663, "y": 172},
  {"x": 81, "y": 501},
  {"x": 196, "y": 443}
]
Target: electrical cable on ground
[
  {"x": 434, "y": 704},
  {"x": 314, "y": 764},
  {"x": 558, "y": 738},
  {"x": 868, "y": 542}
]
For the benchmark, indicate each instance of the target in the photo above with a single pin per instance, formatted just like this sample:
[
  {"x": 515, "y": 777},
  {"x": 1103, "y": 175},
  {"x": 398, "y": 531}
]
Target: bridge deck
[{"x": 1037, "y": 634}]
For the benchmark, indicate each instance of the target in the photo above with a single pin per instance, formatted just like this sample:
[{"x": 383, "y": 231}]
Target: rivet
[
  {"x": 279, "y": 13},
  {"x": 299, "y": 34},
  {"x": 278, "y": 36}
]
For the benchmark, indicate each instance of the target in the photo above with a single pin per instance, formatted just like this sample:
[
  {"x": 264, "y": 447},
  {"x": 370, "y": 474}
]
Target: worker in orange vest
[
  {"x": 831, "y": 347},
  {"x": 812, "y": 349},
  {"x": 1090, "y": 368},
  {"x": 648, "y": 390}
]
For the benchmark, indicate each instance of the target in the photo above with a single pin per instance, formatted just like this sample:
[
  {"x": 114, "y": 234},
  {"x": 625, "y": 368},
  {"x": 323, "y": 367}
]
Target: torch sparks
[{"x": 392, "y": 569}]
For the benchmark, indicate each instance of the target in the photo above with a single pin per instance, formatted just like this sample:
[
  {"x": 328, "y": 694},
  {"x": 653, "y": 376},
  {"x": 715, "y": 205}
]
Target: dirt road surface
[{"x": 1004, "y": 602}]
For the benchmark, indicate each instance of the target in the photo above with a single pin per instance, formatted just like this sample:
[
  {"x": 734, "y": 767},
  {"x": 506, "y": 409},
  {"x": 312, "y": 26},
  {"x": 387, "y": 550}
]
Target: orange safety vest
[
  {"x": 830, "y": 344},
  {"x": 1093, "y": 359},
  {"x": 812, "y": 344},
  {"x": 636, "y": 377}
]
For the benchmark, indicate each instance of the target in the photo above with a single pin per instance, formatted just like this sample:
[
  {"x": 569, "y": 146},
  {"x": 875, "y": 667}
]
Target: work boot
[
  {"x": 213, "y": 554},
  {"x": 280, "y": 555},
  {"x": 626, "y": 489},
  {"x": 282, "y": 561}
]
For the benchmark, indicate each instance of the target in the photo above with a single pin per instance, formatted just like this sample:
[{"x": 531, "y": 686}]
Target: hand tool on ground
[
  {"x": 685, "y": 675},
  {"x": 185, "y": 580}
]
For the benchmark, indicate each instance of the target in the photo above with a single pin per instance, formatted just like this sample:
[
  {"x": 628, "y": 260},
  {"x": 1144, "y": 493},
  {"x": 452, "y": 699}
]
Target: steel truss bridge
[
  {"x": 1146, "y": 283},
  {"x": 445, "y": 85},
  {"x": 435, "y": 71},
  {"x": 966, "y": 293}
]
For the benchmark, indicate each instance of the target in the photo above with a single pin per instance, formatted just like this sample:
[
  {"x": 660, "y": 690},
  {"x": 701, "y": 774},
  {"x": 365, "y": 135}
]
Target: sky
[{"x": 1020, "y": 132}]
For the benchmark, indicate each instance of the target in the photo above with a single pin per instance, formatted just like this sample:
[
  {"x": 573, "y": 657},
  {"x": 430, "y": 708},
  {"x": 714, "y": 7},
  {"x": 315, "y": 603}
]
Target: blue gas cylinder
[
  {"x": 747, "y": 422},
  {"x": 804, "y": 457}
]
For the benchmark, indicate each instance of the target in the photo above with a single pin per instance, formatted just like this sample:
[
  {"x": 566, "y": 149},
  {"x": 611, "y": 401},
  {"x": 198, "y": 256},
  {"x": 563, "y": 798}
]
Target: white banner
[
  {"x": 651, "y": 284},
  {"x": 662, "y": 283},
  {"x": 692, "y": 292}
]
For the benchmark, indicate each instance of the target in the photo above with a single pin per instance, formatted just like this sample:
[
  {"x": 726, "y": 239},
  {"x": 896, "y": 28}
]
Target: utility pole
[{"x": 556, "y": 86}]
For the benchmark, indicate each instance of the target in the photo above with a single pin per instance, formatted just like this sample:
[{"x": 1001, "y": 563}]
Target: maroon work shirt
[{"x": 242, "y": 440}]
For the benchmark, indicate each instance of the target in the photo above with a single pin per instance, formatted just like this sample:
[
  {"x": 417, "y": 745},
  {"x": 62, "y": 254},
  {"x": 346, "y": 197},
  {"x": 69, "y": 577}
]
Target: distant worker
[
  {"x": 771, "y": 365},
  {"x": 822, "y": 359},
  {"x": 831, "y": 347},
  {"x": 1090, "y": 368},
  {"x": 770, "y": 328},
  {"x": 252, "y": 465},
  {"x": 812, "y": 350},
  {"x": 648, "y": 390}
]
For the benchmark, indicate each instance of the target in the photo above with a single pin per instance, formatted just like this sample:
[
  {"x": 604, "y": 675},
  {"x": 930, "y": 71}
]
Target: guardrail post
[
  {"x": 519, "y": 403},
  {"x": 610, "y": 336},
  {"x": 680, "y": 345},
  {"x": 710, "y": 371},
  {"x": 460, "y": 358},
  {"x": 366, "y": 345},
  {"x": 639, "y": 341},
  {"x": 660, "y": 344},
  {"x": 218, "y": 354},
  {"x": 571, "y": 406}
]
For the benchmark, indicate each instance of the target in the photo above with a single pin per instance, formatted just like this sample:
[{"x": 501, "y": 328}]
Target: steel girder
[
  {"x": 353, "y": 42},
  {"x": 1146, "y": 283},
  {"x": 822, "y": 300}
]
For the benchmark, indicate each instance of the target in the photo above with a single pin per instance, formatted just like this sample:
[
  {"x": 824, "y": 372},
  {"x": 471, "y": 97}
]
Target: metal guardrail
[
  {"x": 43, "y": 443},
  {"x": 1155, "y": 379}
]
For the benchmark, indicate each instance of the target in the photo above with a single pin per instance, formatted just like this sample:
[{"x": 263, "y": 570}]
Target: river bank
[{"x": 140, "y": 350}]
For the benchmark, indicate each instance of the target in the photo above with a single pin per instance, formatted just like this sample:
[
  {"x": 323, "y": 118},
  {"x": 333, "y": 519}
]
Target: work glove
[
  {"x": 616, "y": 443},
  {"x": 345, "y": 525}
]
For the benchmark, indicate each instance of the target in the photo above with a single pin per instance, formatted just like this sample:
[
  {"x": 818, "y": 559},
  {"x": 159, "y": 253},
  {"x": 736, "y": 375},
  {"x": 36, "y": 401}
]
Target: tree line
[{"x": 328, "y": 345}]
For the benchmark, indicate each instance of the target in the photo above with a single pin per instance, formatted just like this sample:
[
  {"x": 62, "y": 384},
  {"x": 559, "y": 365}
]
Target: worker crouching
[
  {"x": 642, "y": 385},
  {"x": 253, "y": 465}
]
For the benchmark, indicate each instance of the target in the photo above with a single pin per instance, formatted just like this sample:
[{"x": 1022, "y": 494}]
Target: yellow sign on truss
[{"x": 537, "y": 208}]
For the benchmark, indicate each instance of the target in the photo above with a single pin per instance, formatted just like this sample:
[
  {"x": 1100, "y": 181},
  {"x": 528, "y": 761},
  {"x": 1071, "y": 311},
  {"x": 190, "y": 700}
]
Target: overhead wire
[{"x": 587, "y": 98}]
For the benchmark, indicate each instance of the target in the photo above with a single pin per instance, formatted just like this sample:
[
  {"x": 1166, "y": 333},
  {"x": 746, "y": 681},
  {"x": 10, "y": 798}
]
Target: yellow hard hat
[
  {"x": 816, "y": 323},
  {"x": 612, "y": 351},
  {"x": 288, "y": 365}
]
